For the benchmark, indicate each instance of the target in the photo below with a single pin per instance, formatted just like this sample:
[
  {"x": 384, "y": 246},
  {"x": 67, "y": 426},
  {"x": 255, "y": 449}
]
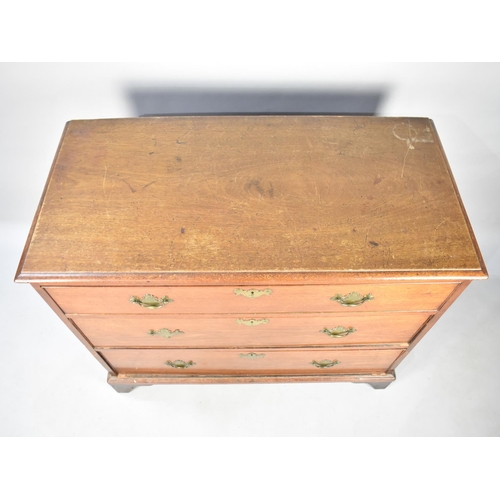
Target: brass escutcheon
[
  {"x": 252, "y": 322},
  {"x": 150, "y": 301},
  {"x": 338, "y": 331},
  {"x": 325, "y": 363},
  {"x": 165, "y": 333},
  {"x": 252, "y": 294},
  {"x": 252, "y": 355},
  {"x": 352, "y": 299},
  {"x": 178, "y": 363}
]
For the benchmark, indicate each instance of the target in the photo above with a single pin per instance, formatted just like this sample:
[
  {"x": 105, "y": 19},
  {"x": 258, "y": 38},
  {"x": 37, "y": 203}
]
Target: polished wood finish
[
  {"x": 225, "y": 331},
  {"x": 208, "y": 300},
  {"x": 217, "y": 195},
  {"x": 301, "y": 207},
  {"x": 229, "y": 361}
]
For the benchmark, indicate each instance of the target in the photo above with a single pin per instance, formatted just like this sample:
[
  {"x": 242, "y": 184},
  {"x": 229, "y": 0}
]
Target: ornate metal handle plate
[
  {"x": 181, "y": 365},
  {"x": 352, "y": 299},
  {"x": 338, "y": 331},
  {"x": 150, "y": 301},
  {"x": 252, "y": 355},
  {"x": 165, "y": 333},
  {"x": 252, "y": 294},
  {"x": 252, "y": 322},
  {"x": 325, "y": 363}
]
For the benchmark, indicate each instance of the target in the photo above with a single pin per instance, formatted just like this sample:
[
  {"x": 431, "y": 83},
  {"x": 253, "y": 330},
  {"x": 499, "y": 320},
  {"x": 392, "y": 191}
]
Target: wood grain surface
[
  {"x": 228, "y": 361},
  {"x": 228, "y": 331},
  {"x": 269, "y": 194},
  {"x": 308, "y": 298}
]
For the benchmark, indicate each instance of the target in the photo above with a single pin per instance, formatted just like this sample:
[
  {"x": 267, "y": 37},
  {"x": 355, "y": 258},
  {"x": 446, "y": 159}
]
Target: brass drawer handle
[
  {"x": 181, "y": 365},
  {"x": 252, "y": 322},
  {"x": 252, "y": 294},
  {"x": 252, "y": 355},
  {"x": 165, "y": 333},
  {"x": 150, "y": 301},
  {"x": 352, "y": 299},
  {"x": 338, "y": 332},
  {"x": 325, "y": 363}
]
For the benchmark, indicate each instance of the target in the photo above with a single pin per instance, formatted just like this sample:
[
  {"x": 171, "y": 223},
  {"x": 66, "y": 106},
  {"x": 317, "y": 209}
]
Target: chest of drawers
[{"x": 250, "y": 248}]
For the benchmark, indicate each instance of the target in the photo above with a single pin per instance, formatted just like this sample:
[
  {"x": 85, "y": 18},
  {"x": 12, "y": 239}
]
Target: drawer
[
  {"x": 240, "y": 362},
  {"x": 224, "y": 299},
  {"x": 249, "y": 331}
]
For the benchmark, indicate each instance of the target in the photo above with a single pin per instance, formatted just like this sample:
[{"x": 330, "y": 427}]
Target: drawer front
[
  {"x": 208, "y": 299},
  {"x": 240, "y": 362},
  {"x": 247, "y": 331}
]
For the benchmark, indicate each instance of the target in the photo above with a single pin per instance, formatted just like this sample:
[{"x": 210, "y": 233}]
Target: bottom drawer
[{"x": 240, "y": 362}]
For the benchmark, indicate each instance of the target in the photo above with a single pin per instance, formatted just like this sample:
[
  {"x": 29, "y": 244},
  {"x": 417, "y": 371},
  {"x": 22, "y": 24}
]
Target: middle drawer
[{"x": 272, "y": 330}]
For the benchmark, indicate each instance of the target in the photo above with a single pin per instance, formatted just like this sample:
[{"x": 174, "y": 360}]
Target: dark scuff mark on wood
[
  {"x": 128, "y": 184},
  {"x": 148, "y": 184},
  {"x": 373, "y": 243},
  {"x": 255, "y": 184}
]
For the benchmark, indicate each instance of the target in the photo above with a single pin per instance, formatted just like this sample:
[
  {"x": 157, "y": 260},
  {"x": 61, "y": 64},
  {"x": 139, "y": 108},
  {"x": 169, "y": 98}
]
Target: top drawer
[{"x": 221, "y": 299}]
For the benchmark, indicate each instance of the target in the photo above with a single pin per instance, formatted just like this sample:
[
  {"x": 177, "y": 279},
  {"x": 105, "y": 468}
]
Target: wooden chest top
[{"x": 239, "y": 198}]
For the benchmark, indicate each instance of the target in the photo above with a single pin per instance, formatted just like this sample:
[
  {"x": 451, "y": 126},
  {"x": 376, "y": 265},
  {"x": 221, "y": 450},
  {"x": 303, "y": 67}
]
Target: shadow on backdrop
[{"x": 164, "y": 101}]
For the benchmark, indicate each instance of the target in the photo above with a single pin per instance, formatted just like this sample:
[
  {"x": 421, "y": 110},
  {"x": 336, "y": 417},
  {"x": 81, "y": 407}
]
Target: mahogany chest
[{"x": 216, "y": 249}]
